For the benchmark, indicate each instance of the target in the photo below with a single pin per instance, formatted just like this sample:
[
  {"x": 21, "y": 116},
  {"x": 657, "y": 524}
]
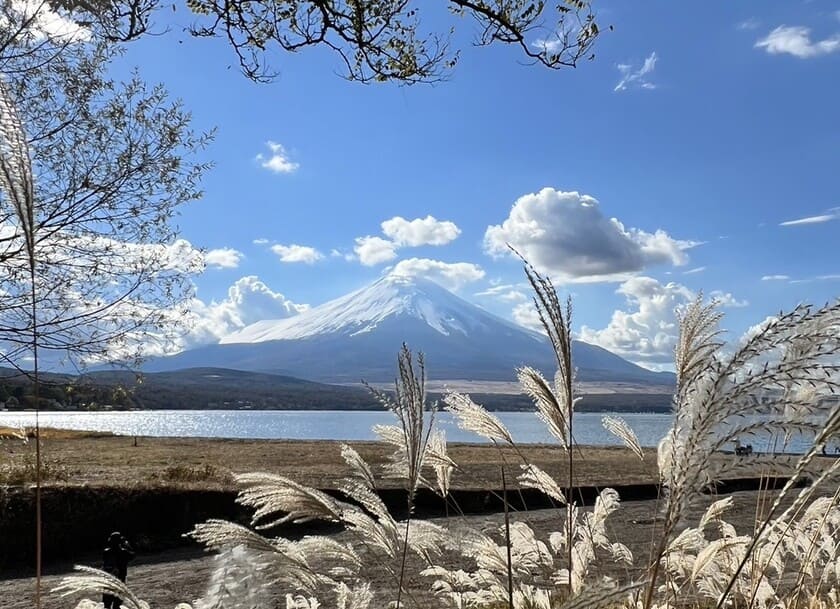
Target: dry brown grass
[
  {"x": 107, "y": 460},
  {"x": 10, "y": 433},
  {"x": 192, "y": 475},
  {"x": 21, "y": 472}
]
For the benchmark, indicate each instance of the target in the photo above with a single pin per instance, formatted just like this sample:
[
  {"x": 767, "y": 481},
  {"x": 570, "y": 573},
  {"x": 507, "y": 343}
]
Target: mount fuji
[{"x": 357, "y": 336}]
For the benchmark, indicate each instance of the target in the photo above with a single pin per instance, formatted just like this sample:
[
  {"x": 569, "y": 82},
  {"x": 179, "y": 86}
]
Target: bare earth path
[{"x": 181, "y": 575}]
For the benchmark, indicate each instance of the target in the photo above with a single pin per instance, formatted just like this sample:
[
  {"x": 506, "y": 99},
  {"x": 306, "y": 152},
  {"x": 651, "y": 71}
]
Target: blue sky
[{"x": 699, "y": 131}]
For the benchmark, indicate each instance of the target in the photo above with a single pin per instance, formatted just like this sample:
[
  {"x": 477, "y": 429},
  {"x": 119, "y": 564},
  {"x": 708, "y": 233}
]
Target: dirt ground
[
  {"x": 182, "y": 575},
  {"x": 178, "y": 575}
]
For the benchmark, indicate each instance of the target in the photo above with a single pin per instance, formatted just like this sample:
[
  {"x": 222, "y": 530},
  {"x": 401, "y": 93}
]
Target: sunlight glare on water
[
  {"x": 336, "y": 425},
  {"x": 318, "y": 425}
]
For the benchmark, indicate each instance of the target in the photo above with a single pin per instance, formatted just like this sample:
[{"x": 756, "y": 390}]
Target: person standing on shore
[{"x": 115, "y": 559}]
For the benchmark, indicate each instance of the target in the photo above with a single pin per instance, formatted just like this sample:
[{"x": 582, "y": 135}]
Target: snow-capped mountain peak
[
  {"x": 391, "y": 297},
  {"x": 358, "y": 335}
]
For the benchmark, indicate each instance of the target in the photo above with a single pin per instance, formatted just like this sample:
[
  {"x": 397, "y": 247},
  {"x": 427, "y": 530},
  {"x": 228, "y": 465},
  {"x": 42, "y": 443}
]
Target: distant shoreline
[
  {"x": 655, "y": 403},
  {"x": 224, "y": 389}
]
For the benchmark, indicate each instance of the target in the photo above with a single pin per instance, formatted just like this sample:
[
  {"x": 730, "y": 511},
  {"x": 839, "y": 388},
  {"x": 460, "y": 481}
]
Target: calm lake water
[
  {"x": 318, "y": 425},
  {"x": 338, "y": 425}
]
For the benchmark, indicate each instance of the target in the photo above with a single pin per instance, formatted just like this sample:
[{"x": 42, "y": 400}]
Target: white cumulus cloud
[
  {"x": 565, "y": 234},
  {"x": 278, "y": 160},
  {"x": 526, "y": 315},
  {"x": 646, "y": 333},
  {"x": 223, "y": 258},
  {"x": 725, "y": 299},
  {"x": 248, "y": 300},
  {"x": 374, "y": 250},
  {"x": 637, "y": 78},
  {"x": 44, "y": 22},
  {"x": 420, "y": 231},
  {"x": 297, "y": 253},
  {"x": 796, "y": 40},
  {"x": 451, "y": 275}
]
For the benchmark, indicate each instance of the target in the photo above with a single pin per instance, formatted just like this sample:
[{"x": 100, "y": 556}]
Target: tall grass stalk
[
  {"x": 790, "y": 363},
  {"x": 507, "y": 539},
  {"x": 409, "y": 406},
  {"x": 17, "y": 183},
  {"x": 831, "y": 428},
  {"x": 557, "y": 323}
]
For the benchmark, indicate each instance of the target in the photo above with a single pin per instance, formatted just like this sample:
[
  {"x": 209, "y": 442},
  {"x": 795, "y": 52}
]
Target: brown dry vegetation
[
  {"x": 103, "y": 460},
  {"x": 108, "y": 460}
]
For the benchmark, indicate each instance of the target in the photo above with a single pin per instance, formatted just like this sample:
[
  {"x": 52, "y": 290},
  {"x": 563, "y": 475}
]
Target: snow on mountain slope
[
  {"x": 364, "y": 310},
  {"x": 357, "y": 336}
]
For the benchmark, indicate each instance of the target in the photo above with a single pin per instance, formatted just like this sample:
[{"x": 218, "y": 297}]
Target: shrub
[
  {"x": 188, "y": 474},
  {"x": 23, "y": 471}
]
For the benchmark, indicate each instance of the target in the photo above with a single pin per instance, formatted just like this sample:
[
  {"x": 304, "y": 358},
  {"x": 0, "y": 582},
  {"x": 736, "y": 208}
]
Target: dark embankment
[{"x": 78, "y": 519}]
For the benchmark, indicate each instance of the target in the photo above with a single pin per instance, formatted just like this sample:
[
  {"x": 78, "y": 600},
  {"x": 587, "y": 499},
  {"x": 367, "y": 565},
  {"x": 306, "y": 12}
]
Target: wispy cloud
[
  {"x": 548, "y": 45},
  {"x": 260, "y": 241},
  {"x": 749, "y": 24},
  {"x": 832, "y": 277},
  {"x": 698, "y": 269},
  {"x": 278, "y": 161},
  {"x": 337, "y": 253},
  {"x": 828, "y": 216},
  {"x": 796, "y": 40},
  {"x": 504, "y": 292},
  {"x": 632, "y": 77},
  {"x": 775, "y": 278}
]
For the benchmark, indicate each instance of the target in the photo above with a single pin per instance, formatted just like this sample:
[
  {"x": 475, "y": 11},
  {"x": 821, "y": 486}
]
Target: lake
[
  {"x": 318, "y": 425},
  {"x": 525, "y": 427}
]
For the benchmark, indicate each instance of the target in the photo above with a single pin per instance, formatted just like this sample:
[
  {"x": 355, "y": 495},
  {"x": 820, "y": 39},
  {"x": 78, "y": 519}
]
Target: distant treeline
[
  {"x": 222, "y": 389},
  {"x": 596, "y": 402}
]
